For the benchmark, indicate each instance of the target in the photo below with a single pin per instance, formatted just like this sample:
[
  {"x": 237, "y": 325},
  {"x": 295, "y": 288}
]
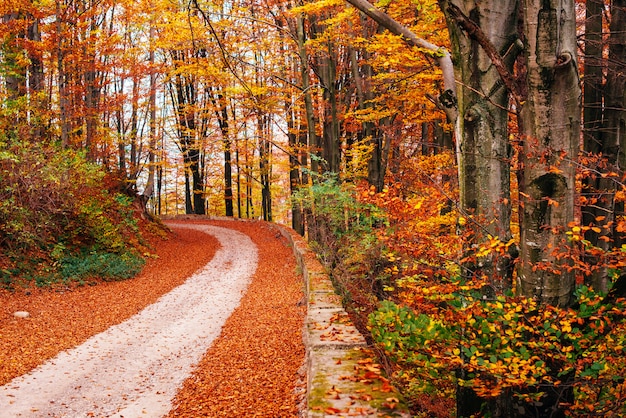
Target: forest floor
[{"x": 252, "y": 367}]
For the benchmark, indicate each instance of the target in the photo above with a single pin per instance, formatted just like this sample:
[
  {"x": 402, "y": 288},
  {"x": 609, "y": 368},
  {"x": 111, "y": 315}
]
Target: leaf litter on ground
[{"x": 251, "y": 370}]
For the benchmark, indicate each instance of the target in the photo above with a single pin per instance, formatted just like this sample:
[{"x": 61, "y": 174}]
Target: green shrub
[{"x": 106, "y": 266}]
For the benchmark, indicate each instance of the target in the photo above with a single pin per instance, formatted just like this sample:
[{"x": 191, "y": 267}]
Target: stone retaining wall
[{"x": 343, "y": 378}]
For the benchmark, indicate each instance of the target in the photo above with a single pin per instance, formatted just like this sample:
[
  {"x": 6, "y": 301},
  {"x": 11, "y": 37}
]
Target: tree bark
[
  {"x": 62, "y": 78},
  {"x": 185, "y": 99},
  {"x": 550, "y": 127},
  {"x": 598, "y": 192},
  {"x": 615, "y": 102},
  {"x": 312, "y": 139},
  {"x": 149, "y": 188},
  {"x": 326, "y": 69},
  {"x": 14, "y": 72},
  {"x": 221, "y": 112},
  {"x": 480, "y": 31},
  {"x": 265, "y": 166}
]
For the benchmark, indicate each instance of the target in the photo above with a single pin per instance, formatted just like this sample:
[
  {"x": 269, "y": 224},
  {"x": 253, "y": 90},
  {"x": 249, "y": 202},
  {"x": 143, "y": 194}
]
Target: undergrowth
[
  {"x": 63, "y": 219},
  {"x": 442, "y": 338}
]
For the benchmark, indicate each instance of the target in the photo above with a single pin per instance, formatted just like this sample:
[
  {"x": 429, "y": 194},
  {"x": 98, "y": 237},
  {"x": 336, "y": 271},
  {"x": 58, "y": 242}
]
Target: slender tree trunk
[
  {"x": 615, "y": 100},
  {"x": 62, "y": 79},
  {"x": 295, "y": 180},
  {"x": 228, "y": 171},
  {"x": 14, "y": 72},
  {"x": 331, "y": 136},
  {"x": 185, "y": 99},
  {"x": 313, "y": 142},
  {"x": 152, "y": 146},
  {"x": 93, "y": 88},
  {"x": 238, "y": 182},
  {"x": 35, "y": 73},
  {"x": 38, "y": 103},
  {"x": 133, "y": 136},
  {"x": 265, "y": 166},
  {"x": 597, "y": 191},
  {"x": 228, "y": 179},
  {"x": 375, "y": 165},
  {"x": 198, "y": 182},
  {"x": 593, "y": 81}
]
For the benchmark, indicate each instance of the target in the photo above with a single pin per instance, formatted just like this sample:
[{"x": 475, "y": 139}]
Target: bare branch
[
  {"x": 475, "y": 32},
  {"x": 441, "y": 54}
]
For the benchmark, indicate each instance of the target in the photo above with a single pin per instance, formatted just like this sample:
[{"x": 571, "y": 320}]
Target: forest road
[{"x": 134, "y": 369}]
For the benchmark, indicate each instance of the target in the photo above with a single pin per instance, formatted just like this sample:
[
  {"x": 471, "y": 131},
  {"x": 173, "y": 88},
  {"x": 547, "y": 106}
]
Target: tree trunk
[
  {"x": 14, "y": 72},
  {"x": 62, "y": 79},
  {"x": 376, "y": 163},
  {"x": 615, "y": 98},
  {"x": 185, "y": 100},
  {"x": 550, "y": 128},
  {"x": 149, "y": 189},
  {"x": 295, "y": 179},
  {"x": 313, "y": 141},
  {"x": 331, "y": 140},
  {"x": 38, "y": 102},
  {"x": 222, "y": 116},
  {"x": 265, "y": 166},
  {"x": 484, "y": 153},
  {"x": 198, "y": 182},
  {"x": 483, "y": 149},
  {"x": 597, "y": 191}
]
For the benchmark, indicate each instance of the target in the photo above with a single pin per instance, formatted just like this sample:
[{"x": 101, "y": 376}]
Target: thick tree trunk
[
  {"x": 483, "y": 101},
  {"x": 550, "y": 125},
  {"x": 483, "y": 149}
]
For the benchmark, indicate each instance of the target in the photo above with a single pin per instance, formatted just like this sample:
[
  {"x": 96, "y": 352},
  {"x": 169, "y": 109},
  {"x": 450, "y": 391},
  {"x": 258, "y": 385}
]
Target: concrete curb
[{"x": 343, "y": 378}]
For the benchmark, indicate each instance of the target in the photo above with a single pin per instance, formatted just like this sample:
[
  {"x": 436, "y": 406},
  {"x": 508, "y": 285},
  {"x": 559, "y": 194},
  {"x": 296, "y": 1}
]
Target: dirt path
[{"x": 135, "y": 368}]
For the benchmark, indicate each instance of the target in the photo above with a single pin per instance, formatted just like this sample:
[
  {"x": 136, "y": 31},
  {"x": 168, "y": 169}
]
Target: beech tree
[
  {"x": 484, "y": 38},
  {"x": 547, "y": 101}
]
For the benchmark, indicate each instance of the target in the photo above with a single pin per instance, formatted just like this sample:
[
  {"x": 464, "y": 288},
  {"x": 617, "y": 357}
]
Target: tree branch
[
  {"x": 441, "y": 54},
  {"x": 475, "y": 32}
]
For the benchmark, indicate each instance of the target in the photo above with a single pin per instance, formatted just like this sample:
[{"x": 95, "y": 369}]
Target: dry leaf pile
[
  {"x": 251, "y": 370},
  {"x": 64, "y": 317}
]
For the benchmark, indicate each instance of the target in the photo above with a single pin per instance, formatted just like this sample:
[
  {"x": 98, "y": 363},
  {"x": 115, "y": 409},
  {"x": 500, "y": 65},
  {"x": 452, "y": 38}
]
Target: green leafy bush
[
  {"x": 508, "y": 346},
  {"x": 106, "y": 266}
]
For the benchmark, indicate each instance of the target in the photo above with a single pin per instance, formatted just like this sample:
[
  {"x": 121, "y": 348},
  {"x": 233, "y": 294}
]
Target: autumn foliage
[{"x": 114, "y": 109}]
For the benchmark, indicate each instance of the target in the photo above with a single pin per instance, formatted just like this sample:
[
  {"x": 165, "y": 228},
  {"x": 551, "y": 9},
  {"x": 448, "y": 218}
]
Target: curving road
[{"x": 135, "y": 368}]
